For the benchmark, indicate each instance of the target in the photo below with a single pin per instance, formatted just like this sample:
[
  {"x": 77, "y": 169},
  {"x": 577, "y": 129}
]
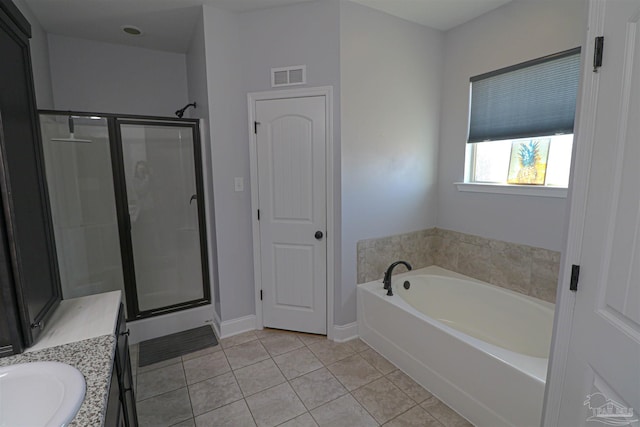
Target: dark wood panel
[
  {"x": 31, "y": 283},
  {"x": 125, "y": 376},
  {"x": 10, "y": 328}
]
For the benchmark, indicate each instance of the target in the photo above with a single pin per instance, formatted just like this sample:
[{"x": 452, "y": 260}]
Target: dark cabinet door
[
  {"x": 29, "y": 250},
  {"x": 114, "y": 416},
  {"x": 10, "y": 331},
  {"x": 123, "y": 366}
]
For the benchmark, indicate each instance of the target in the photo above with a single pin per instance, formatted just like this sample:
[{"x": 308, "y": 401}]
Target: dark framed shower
[{"x": 154, "y": 202}]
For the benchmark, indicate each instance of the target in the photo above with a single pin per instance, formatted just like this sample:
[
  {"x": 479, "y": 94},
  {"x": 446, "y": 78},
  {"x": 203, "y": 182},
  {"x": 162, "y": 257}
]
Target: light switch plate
[{"x": 238, "y": 183}]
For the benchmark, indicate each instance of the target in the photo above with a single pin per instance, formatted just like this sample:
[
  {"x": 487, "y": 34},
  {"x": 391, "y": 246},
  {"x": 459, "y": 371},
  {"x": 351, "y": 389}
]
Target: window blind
[{"x": 534, "y": 98}]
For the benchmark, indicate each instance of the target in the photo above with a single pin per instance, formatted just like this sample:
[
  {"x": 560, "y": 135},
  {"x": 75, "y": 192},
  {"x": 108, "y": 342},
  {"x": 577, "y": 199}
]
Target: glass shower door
[
  {"x": 83, "y": 203},
  {"x": 165, "y": 215}
]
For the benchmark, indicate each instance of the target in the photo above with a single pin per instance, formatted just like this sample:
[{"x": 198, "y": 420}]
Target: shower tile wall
[{"x": 521, "y": 268}]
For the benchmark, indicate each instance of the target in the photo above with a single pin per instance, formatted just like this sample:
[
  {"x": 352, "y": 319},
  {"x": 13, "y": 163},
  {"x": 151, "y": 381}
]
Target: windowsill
[{"x": 520, "y": 190}]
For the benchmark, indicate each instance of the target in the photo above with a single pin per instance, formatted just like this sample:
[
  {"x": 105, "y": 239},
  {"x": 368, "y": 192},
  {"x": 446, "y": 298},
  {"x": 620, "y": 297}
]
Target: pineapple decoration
[
  {"x": 528, "y": 156},
  {"x": 528, "y": 163}
]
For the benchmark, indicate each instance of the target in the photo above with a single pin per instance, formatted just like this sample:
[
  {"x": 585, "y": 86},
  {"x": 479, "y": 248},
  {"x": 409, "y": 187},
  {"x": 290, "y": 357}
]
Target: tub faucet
[{"x": 387, "y": 275}]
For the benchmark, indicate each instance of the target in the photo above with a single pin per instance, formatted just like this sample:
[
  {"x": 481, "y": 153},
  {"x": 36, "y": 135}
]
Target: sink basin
[{"x": 40, "y": 394}]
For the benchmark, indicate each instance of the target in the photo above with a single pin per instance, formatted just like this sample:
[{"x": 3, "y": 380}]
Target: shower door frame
[{"x": 122, "y": 206}]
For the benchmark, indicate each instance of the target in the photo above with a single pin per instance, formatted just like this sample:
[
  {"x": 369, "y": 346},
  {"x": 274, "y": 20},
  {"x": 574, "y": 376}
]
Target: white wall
[
  {"x": 108, "y": 78},
  {"x": 198, "y": 93},
  {"x": 39, "y": 47},
  {"x": 230, "y": 158},
  {"x": 391, "y": 72},
  {"x": 302, "y": 34},
  {"x": 240, "y": 51},
  {"x": 511, "y": 34}
]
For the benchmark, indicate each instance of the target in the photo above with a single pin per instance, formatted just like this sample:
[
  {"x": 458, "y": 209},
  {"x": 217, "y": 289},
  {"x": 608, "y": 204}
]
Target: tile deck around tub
[{"x": 277, "y": 378}]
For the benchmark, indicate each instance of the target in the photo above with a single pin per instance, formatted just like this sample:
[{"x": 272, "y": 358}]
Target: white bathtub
[{"x": 481, "y": 349}]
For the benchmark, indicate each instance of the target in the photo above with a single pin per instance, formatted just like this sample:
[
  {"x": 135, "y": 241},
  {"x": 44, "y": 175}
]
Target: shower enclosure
[{"x": 127, "y": 210}]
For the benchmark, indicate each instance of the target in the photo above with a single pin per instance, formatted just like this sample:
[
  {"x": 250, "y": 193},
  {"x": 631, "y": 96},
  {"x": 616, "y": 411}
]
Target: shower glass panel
[
  {"x": 160, "y": 176},
  {"x": 83, "y": 204}
]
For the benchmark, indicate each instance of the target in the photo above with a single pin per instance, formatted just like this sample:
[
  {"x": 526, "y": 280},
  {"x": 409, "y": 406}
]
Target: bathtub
[{"x": 481, "y": 349}]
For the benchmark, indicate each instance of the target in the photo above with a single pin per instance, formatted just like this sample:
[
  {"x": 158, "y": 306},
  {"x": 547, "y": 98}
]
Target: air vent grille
[{"x": 289, "y": 76}]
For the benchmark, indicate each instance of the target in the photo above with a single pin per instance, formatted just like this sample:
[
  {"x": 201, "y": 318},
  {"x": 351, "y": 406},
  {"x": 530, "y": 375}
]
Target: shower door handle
[{"x": 194, "y": 197}]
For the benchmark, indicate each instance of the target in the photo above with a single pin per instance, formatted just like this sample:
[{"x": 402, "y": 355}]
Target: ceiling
[
  {"x": 439, "y": 14},
  {"x": 168, "y": 24}
]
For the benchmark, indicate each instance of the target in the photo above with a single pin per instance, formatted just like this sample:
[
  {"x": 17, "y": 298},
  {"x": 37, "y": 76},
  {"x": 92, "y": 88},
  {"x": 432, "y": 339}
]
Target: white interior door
[
  {"x": 291, "y": 154},
  {"x": 602, "y": 374}
]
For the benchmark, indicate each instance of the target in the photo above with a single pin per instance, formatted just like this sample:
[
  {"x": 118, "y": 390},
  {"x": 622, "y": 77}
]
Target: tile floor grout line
[
  {"x": 244, "y": 399},
  {"x": 310, "y": 372},
  {"x": 180, "y": 422},
  {"x": 294, "y": 390},
  {"x": 402, "y": 413},
  {"x": 163, "y": 392},
  {"x": 365, "y": 409},
  {"x": 434, "y": 415},
  {"x": 215, "y": 376},
  {"x": 193, "y": 415},
  {"x": 344, "y": 385},
  {"x": 155, "y": 369},
  {"x": 253, "y": 417},
  {"x": 160, "y": 394}
]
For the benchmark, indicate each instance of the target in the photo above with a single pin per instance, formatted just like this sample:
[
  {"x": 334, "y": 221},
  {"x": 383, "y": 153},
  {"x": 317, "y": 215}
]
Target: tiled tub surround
[
  {"x": 526, "y": 269},
  {"x": 94, "y": 359},
  {"x": 278, "y": 378}
]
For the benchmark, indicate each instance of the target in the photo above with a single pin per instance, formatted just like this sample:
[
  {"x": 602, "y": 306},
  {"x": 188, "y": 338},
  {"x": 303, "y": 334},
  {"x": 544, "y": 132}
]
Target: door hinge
[
  {"x": 258, "y": 214},
  {"x": 597, "y": 53},
  {"x": 255, "y": 127},
  {"x": 575, "y": 275},
  {"x": 260, "y": 294}
]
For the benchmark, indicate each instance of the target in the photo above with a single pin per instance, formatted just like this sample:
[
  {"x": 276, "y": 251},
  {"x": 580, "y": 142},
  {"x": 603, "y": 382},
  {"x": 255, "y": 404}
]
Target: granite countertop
[
  {"x": 81, "y": 333},
  {"x": 93, "y": 357}
]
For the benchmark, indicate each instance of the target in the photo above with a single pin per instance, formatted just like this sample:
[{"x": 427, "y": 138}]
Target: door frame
[
  {"x": 252, "y": 98},
  {"x": 584, "y": 140}
]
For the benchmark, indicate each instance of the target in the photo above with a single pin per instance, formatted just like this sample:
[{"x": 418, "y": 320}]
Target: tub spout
[{"x": 387, "y": 275}]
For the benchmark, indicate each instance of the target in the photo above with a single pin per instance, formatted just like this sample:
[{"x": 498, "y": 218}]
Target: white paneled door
[
  {"x": 602, "y": 374},
  {"x": 291, "y": 153}
]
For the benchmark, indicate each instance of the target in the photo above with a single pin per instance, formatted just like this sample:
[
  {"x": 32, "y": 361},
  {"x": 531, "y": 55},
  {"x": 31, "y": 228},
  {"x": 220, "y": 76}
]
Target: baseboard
[
  {"x": 228, "y": 328},
  {"x": 237, "y": 326},
  {"x": 342, "y": 333},
  {"x": 216, "y": 324},
  {"x": 158, "y": 326}
]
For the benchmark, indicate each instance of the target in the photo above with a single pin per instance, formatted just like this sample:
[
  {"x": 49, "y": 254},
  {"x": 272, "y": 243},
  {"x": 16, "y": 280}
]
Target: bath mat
[{"x": 174, "y": 345}]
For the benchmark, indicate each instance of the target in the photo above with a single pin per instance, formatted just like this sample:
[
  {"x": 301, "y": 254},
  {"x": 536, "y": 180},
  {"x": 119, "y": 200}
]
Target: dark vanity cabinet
[
  {"x": 113, "y": 416},
  {"x": 121, "y": 407},
  {"x": 29, "y": 278}
]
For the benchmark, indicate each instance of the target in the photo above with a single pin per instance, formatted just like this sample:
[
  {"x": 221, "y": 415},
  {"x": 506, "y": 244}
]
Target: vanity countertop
[
  {"x": 79, "y": 319},
  {"x": 93, "y": 357},
  {"x": 81, "y": 333}
]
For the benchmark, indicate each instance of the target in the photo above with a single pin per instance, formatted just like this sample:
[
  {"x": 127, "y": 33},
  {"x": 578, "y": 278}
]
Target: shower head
[
  {"x": 181, "y": 111},
  {"x": 72, "y": 137}
]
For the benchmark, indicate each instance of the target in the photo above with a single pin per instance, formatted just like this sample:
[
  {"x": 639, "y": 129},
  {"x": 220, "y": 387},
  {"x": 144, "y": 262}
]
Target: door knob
[
  {"x": 318, "y": 235},
  {"x": 194, "y": 197}
]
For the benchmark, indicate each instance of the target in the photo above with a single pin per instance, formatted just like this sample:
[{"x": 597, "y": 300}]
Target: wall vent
[{"x": 289, "y": 76}]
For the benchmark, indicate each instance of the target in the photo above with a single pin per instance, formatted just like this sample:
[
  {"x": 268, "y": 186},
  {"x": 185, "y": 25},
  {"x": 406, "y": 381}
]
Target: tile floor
[{"x": 275, "y": 378}]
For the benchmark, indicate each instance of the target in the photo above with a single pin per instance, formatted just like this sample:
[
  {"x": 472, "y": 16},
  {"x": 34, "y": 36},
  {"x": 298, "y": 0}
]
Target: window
[{"x": 521, "y": 122}]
